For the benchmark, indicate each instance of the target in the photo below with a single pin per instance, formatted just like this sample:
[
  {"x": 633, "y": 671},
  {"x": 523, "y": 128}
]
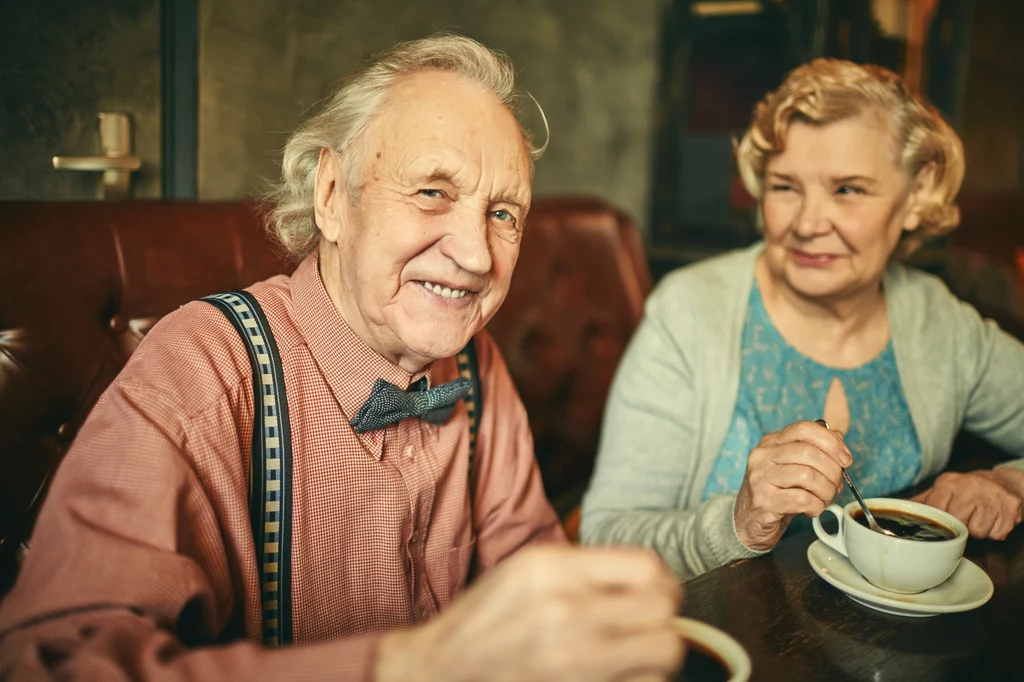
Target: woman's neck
[{"x": 841, "y": 331}]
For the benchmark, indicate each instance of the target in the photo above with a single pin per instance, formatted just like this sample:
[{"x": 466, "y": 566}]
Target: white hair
[{"x": 346, "y": 114}]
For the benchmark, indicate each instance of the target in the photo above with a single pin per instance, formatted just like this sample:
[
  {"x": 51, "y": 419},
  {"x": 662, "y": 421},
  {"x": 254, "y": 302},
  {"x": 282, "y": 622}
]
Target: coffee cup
[
  {"x": 897, "y": 564},
  {"x": 711, "y": 654}
]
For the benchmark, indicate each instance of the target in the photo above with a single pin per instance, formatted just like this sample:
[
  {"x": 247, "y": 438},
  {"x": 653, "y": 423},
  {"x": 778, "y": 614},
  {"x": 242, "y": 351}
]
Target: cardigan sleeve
[
  {"x": 648, "y": 451},
  {"x": 993, "y": 363}
]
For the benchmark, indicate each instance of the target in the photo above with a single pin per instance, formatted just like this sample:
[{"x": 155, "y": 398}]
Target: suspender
[
  {"x": 469, "y": 369},
  {"x": 270, "y": 473}
]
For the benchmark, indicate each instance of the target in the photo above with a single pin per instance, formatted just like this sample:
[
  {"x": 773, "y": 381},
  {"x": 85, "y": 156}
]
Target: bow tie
[{"x": 388, "y": 403}]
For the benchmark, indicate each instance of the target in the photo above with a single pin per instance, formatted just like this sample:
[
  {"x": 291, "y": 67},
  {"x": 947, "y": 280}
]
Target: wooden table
[{"x": 796, "y": 626}]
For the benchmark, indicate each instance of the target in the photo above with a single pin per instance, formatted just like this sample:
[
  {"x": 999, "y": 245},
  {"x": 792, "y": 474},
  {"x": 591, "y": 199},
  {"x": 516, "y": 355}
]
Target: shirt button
[{"x": 409, "y": 452}]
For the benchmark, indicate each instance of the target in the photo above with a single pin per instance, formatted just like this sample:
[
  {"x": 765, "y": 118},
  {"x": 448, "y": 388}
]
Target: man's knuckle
[
  {"x": 555, "y": 612},
  {"x": 671, "y": 646},
  {"x": 652, "y": 568}
]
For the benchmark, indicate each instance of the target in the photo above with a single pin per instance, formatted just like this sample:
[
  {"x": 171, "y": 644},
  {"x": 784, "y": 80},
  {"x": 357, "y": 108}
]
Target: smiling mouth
[
  {"x": 444, "y": 292},
  {"x": 817, "y": 257}
]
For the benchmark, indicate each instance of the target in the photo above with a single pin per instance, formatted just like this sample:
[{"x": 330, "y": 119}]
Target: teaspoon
[{"x": 872, "y": 524}]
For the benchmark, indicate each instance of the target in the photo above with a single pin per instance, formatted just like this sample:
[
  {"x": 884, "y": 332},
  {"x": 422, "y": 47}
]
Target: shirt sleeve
[
  {"x": 129, "y": 575},
  {"x": 645, "y": 459},
  {"x": 510, "y": 508}
]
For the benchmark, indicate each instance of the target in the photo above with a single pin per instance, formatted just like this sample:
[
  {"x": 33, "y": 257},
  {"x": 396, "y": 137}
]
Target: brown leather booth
[{"x": 82, "y": 283}]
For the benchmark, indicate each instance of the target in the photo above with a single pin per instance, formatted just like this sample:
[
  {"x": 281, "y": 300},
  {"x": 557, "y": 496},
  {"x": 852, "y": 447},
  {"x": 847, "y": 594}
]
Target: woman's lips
[{"x": 813, "y": 260}]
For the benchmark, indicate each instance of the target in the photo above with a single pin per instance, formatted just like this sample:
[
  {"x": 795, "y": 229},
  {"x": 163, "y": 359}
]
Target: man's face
[{"x": 422, "y": 257}]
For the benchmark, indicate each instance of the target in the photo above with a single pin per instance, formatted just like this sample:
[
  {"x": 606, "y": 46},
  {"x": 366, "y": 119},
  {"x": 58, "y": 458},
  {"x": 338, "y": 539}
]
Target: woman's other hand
[
  {"x": 988, "y": 501},
  {"x": 797, "y": 470}
]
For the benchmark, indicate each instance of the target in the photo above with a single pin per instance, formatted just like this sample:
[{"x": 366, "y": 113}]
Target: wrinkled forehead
[{"x": 445, "y": 124}]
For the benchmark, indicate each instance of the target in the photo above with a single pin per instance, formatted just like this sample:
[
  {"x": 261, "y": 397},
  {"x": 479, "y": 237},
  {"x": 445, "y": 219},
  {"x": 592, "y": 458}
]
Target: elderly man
[{"x": 374, "y": 493}]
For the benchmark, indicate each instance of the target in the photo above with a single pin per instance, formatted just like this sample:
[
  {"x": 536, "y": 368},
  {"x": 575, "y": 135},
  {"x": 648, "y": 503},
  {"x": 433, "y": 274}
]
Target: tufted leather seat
[{"x": 82, "y": 283}]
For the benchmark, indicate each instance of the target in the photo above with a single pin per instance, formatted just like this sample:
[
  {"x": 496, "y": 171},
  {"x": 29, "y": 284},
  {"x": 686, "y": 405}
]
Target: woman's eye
[
  {"x": 431, "y": 193},
  {"x": 847, "y": 189},
  {"x": 781, "y": 188}
]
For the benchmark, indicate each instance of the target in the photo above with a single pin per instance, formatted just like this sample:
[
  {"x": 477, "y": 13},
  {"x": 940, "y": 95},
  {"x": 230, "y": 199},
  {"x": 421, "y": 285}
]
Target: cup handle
[{"x": 837, "y": 541}]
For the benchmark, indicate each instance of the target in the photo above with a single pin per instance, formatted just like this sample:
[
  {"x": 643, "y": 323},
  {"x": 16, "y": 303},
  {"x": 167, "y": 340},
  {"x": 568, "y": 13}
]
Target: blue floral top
[{"x": 779, "y": 386}]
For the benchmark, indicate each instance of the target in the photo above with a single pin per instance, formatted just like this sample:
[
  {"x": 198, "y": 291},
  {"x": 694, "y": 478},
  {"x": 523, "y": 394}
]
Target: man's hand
[
  {"x": 550, "y": 613},
  {"x": 797, "y": 470},
  {"x": 988, "y": 501}
]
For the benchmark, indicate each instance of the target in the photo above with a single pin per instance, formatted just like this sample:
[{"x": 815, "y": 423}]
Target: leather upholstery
[{"x": 83, "y": 282}]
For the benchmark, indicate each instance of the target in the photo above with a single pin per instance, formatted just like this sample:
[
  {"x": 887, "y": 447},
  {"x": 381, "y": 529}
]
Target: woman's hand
[
  {"x": 988, "y": 501},
  {"x": 797, "y": 470}
]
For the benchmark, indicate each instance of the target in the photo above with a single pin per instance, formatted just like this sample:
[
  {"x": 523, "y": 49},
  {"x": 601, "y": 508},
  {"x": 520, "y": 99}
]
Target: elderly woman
[{"x": 709, "y": 449}]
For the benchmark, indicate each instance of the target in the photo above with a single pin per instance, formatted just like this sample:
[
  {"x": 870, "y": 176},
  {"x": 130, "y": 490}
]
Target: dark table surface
[{"x": 795, "y": 626}]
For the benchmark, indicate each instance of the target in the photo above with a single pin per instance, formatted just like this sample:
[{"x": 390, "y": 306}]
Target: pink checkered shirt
[{"x": 143, "y": 552}]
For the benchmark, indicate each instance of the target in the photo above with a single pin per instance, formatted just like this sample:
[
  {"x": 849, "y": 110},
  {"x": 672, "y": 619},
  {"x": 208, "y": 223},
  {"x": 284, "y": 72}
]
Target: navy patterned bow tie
[{"x": 388, "y": 403}]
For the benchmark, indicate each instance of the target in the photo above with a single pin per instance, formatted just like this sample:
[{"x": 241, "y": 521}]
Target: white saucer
[{"x": 968, "y": 588}]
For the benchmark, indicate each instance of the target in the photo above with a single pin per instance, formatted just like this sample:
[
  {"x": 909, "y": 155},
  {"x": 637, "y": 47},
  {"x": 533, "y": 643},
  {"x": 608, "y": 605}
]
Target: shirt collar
[{"x": 347, "y": 363}]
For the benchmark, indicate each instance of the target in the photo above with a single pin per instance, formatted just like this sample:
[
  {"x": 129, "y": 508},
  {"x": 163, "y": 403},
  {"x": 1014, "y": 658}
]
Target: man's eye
[
  {"x": 507, "y": 220},
  {"x": 431, "y": 193},
  {"x": 847, "y": 189}
]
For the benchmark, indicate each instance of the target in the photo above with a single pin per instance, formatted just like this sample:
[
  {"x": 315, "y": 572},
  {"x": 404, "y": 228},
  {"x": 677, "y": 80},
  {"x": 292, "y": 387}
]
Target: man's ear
[
  {"x": 922, "y": 191},
  {"x": 329, "y": 194}
]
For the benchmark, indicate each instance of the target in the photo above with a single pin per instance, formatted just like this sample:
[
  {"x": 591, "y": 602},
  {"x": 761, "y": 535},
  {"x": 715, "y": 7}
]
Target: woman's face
[{"x": 835, "y": 204}]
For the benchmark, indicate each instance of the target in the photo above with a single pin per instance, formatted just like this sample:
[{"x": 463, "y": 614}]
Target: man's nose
[{"x": 467, "y": 243}]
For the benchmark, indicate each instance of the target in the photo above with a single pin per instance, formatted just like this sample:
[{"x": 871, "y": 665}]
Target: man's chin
[{"x": 434, "y": 345}]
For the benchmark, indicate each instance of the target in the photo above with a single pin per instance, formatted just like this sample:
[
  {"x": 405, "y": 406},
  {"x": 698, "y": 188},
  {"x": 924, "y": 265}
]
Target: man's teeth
[{"x": 444, "y": 292}]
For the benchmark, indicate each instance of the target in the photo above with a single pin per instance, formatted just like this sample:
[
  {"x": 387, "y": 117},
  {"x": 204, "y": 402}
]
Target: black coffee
[
  {"x": 906, "y": 525},
  {"x": 701, "y": 666}
]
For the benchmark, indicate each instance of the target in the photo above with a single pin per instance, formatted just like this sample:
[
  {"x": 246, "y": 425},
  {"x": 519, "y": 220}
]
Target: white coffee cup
[{"x": 899, "y": 565}]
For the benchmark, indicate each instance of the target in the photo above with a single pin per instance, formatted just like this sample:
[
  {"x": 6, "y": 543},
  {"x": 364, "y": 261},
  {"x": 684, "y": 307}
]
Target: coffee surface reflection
[
  {"x": 702, "y": 666},
  {"x": 906, "y": 525}
]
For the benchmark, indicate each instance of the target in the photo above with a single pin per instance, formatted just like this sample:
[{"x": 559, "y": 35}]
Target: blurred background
[{"x": 643, "y": 97}]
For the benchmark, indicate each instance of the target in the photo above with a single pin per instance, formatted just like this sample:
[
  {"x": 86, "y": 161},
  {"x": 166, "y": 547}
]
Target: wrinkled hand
[
  {"x": 797, "y": 470},
  {"x": 550, "y": 613},
  {"x": 989, "y": 502}
]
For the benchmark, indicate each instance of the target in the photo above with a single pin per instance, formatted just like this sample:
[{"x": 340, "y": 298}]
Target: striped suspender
[
  {"x": 270, "y": 476},
  {"x": 469, "y": 369}
]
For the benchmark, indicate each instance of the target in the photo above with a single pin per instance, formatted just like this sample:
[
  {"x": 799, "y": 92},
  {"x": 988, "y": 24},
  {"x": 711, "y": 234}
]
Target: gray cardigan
[{"x": 673, "y": 397}]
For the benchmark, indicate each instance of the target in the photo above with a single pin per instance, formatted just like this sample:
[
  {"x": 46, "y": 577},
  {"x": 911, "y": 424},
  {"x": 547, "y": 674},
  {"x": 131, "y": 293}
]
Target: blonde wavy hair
[
  {"x": 829, "y": 90},
  {"x": 346, "y": 113}
]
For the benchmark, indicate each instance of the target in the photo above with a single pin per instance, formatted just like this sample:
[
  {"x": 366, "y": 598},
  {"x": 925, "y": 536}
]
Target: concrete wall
[{"x": 591, "y": 64}]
